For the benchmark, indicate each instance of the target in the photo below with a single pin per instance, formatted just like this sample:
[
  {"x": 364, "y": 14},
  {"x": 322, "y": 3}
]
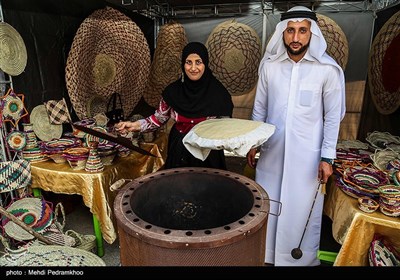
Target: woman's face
[{"x": 194, "y": 67}]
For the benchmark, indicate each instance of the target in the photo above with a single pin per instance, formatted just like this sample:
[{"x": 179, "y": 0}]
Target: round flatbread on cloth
[
  {"x": 109, "y": 54},
  {"x": 234, "y": 135},
  {"x": 383, "y": 67},
  {"x": 235, "y": 53},
  {"x": 166, "y": 65},
  {"x": 337, "y": 45},
  {"x": 41, "y": 125},
  {"x": 13, "y": 55}
]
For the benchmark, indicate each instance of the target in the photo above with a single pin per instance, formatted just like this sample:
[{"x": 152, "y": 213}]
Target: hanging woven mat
[
  {"x": 383, "y": 70},
  {"x": 166, "y": 66},
  {"x": 337, "y": 45},
  {"x": 235, "y": 53},
  {"x": 109, "y": 54},
  {"x": 13, "y": 56}
]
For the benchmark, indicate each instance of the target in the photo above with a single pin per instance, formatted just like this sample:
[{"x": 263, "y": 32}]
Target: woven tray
[{"x": 51, "y": 255}]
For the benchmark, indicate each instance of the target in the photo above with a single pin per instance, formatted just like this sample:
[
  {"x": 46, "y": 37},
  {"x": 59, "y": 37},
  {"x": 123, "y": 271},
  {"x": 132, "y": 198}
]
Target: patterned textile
[
  {"x": 57, "y": 111},
  {"x": 14, "y": 175}
]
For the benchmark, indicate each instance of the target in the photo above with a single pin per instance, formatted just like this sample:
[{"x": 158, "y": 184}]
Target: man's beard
[{"x": 303, "y": 49}]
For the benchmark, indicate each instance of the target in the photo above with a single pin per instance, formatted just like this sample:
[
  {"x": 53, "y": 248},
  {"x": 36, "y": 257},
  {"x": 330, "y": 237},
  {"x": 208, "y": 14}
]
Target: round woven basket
[
  {"x": 166, "y": 64},
  {"x": 383, "y": 70},
  {"x": 235, "y": 53},
  {"x": 337, "y": 45},
  {"x": 109, "y": 54}
]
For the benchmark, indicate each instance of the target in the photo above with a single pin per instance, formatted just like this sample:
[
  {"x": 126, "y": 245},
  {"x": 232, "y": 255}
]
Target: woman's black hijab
[{"x": 204, "y": 97}]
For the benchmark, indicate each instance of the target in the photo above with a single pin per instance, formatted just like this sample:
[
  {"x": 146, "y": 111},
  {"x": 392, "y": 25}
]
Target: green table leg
[
  {"x": 99, "y": 236},
  {"x": 37, "y": 192}
]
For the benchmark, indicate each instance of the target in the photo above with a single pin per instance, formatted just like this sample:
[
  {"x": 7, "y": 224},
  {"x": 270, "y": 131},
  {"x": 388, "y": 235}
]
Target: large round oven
[{"x": 192, "y": 217}]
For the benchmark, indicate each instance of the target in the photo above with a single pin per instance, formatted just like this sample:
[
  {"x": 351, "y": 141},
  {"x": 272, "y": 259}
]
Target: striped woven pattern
[{"x": 15, "y": 175}]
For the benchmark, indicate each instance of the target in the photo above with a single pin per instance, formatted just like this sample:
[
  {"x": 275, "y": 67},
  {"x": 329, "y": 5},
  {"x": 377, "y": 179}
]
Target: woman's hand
[{"x": 127, "y": 126}]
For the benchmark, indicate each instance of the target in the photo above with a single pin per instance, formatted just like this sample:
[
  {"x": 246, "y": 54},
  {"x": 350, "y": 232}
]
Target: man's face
[{"x": 296, "y": 38}]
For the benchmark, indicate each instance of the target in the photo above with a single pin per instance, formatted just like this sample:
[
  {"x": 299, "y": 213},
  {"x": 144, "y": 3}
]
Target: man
[{"x": 300, "y": 91}]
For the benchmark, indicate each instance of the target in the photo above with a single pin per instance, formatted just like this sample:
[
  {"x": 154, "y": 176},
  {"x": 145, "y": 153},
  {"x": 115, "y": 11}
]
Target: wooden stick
[{"x": 25, "y": 226}]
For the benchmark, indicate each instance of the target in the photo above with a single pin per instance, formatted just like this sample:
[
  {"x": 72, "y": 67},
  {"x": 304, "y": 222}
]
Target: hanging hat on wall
[
  {"x": 166, "y": 64},
  {"x": 235, "y": 53},
  {"x": 337, "y": 45},
  {"x": 109, "y": 54},
  {"x": 383, "y": 67},
  {"x": 13, "y": 55}
]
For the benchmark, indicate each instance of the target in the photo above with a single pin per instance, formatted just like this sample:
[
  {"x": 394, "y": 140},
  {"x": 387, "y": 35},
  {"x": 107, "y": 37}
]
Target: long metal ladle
[{"x": 297, "y": 253}]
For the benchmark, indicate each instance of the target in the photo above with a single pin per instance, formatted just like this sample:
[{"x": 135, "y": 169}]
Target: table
[
  {"x": 95, "y": 187},
  {"x": 355, "y": 229}
]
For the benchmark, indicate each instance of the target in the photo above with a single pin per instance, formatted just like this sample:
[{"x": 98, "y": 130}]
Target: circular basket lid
[
  {"x": 13, "y": 57},
  {"x": 337, "y": 45},
  {"x": 235, "y": 53},
  {"x": 383, "y": 70},
  {"x": 41, "y": 125},
  {"x": 33, "y": 212},
  {"x": 166, "y": 65},
  {"x": 109, "y": 54}
]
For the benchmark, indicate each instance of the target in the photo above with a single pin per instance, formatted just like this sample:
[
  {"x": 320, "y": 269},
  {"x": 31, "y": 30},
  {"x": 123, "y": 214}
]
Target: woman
[{"x": 191, "y": 99}]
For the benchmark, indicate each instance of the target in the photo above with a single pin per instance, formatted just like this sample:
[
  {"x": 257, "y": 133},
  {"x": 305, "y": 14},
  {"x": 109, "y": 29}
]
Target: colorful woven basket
[{"x": 33, "y": 211}]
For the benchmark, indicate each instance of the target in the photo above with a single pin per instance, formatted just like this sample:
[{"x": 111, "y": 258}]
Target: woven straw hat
[
  {"x": 166, "y": 64},
  {"x": 109, "y": 54},
  {"x": 383, "y": 71},
  {"x": 235, "y": 53},
  {"x": 13, "y": 56},
  {"x": 337, "y": 45}
]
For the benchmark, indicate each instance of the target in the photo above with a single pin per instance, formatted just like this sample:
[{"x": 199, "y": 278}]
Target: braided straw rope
[
  {"x": 166, "y": 65},
  {"x": 109, "y": 54},
  {"x": 235, "y": 53},
  {"x": 385, "y": 91}
]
